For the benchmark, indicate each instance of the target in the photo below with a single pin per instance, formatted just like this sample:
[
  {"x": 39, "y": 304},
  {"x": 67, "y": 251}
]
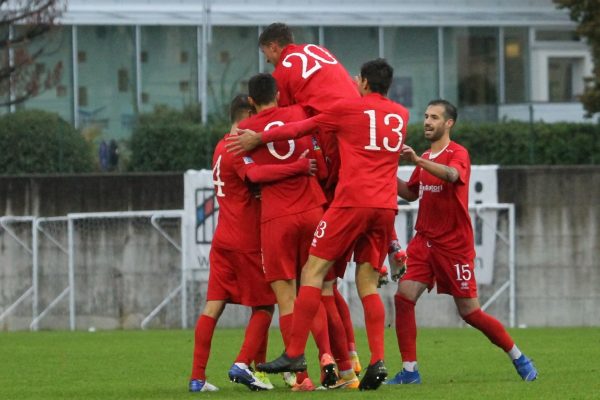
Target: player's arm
[
  {"x": 405, "y": 191},
  {"x": 276, "y": 172},
  {"x": 444, "y": 172},
  {"x": 247, "y": 139}
]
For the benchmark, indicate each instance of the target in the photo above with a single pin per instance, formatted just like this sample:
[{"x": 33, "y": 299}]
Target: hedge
[
  {"x": 34, "y": 141},
  {"x": 521, "y": 143},
  {"x": 170, "y": 140}
]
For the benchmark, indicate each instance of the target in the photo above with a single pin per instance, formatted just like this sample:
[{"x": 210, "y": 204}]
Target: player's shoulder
[{"x": 456, "y": 148}]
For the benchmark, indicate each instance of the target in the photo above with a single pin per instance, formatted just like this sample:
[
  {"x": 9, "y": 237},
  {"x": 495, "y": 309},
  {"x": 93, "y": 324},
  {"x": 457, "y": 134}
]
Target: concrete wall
[{"x": 125, "y": 272}]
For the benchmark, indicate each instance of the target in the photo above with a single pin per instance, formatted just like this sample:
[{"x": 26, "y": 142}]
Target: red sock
[
  {"x": 257, "y": 329},
  {"x": 205, "y": 327},
  {"x": 491, "y": 327},
  {"x": 406, "y": 328},
  {"x": 285, "y": 326},
  {"x": 337, "y": 334},
  {"x": 320, "y": 331},
  {"x": 305, "y": 309},
  {"x": 344, "y": 312},
  {"x": 375, "y": 324},
  {"x": 261, "y": 355}
]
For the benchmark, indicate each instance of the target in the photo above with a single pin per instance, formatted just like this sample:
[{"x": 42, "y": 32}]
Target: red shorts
[
  {"x": 285, "y": 243},
  {"x": 362, "y": 230},
  {"x": 238, "y": 278},
  {"x": 452, "y": 275}
]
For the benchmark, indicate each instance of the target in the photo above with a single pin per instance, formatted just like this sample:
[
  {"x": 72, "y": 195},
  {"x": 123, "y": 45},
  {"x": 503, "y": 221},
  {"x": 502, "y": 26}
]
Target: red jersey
[
  {"x": 443, "y": 216},
  {"x": 238, "y": 226},
  {"x": 311, "y": 76},
  {"x": 287, "y": 196},
  {"x": 370, "y": 132}
]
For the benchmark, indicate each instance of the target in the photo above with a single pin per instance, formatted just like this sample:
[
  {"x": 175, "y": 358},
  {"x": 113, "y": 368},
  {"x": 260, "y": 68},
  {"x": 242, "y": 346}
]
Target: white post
[
  {"x": 511, "y": 265},
  {"x": 34, "y": 276},
  {"x": 184, "y": 250},
  {"x": 71, "y": 225}
]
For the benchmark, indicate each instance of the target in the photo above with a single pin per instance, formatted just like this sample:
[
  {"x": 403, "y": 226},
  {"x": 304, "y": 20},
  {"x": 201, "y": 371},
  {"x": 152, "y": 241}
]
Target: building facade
[{"x": 515, "y": 59}]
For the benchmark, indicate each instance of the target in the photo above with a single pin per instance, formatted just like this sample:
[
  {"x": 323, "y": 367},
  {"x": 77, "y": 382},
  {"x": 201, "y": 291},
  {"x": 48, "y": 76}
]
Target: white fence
[{"x": 134, "y": 269}]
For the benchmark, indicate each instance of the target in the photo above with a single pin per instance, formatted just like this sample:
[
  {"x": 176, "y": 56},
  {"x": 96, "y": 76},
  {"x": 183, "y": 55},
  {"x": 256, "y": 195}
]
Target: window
[
  {"x": 232, "y": 57},
  {"x": 471, "y": 71},
  {"x": 108, "y": 77},
  {"x": 353, "y": 46},
  {"x": 54, "y": 91},
  {"x": 413, "y": 52},
  {"x": 516, "y": 62},
  {"x": 168, "y": 50},
  {"x": 562, "y": 73}
]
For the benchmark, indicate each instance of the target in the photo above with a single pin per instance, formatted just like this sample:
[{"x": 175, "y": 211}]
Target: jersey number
[
  {"x": 387, "y": 120},
  {"x": 217, "y": 178},
  {"x": 271, "y": 146},
  {"x": 463, "y": 273},
  {"x": 325, "y": 57}
]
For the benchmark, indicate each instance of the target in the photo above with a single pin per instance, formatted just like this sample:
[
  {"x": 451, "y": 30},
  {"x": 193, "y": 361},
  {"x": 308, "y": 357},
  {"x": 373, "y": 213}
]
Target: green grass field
[{"x": 454, "y": 363}]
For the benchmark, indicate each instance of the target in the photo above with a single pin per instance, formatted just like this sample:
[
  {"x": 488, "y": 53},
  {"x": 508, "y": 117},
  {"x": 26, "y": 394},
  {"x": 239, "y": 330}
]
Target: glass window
[
  {"x": 554, "y": 35},
  {"x": 169, "y": 67},
  {"x": 352, "y": 46},
  {"x": 232, "y": 60},
  {"x": 516, "y": 51},
  {"x": 562, "y": 73},
  {"x": 413, "y": 52},
  {"x": 107, "y": 80},
  {"x": 4, "y": 83},
  {"x": 54, "y": 89},
  {"x": 471, "y": 71}
]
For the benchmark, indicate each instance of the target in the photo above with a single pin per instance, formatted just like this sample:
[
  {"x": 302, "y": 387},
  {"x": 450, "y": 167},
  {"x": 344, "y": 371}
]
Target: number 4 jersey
[
  {"x": 238, "y": 227},
  {"x": 370, "y": 131}
]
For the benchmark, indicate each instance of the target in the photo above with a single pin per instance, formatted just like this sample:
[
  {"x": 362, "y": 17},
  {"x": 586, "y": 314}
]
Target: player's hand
[
  {"x": 397, "y": 259},
  {"x": 312, "y": 163},
  {"x": 245, "y": 140},
  {"x": 408, "y": 154}
]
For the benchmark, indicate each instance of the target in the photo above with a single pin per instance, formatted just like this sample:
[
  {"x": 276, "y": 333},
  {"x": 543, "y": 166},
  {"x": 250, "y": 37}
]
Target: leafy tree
[
  {"x": 21, "y": 23},
  {"x": 587, "y": 14}
]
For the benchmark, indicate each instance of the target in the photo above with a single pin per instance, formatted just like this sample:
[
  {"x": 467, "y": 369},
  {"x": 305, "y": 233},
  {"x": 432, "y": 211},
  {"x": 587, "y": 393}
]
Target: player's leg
[
  {"x": 469, "y": 309},
  {"x": 367, "y": 279},
  {"x": 305, "y": 308},
  {"x": 255, "y": 335},
  {"x": 344, "y": 312},
  {"x": 252, "y": 290},
  {"x": 337, "y": 333},
  {"x": 256, "y": 332},
  {"x": 205, "y": 327},
  {"x": 406, "y": 297},
  {"x": 418, "y": 277}
]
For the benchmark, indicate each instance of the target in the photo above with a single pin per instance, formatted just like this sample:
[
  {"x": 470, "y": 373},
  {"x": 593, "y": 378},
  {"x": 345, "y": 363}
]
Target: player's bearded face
[{"x": 433, "y": 129}]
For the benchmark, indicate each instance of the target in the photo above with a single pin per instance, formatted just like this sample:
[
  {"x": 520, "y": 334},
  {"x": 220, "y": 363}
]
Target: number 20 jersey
[{"x": 309, "y": 75}]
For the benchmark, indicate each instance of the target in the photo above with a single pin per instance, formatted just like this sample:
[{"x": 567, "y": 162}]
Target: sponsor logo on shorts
[{"x": 464, "y": 285}]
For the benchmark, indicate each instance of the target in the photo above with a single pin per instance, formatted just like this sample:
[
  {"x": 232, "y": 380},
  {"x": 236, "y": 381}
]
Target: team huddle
[{"x": 306, "y": 180}]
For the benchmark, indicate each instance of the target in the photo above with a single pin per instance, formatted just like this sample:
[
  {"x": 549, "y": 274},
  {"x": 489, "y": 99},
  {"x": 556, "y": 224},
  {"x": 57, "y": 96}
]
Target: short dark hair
[
  {"x": 450, "y": 111},
  {"x": 379, "y": 75},
  {"x": 277, "y": 32},
  {"x": 262, "y": 88},
  {"x": 238, "y": 108}
]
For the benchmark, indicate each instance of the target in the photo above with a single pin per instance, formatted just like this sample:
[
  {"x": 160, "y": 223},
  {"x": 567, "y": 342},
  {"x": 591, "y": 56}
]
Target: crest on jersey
[{"x": 247, "y": 160}]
